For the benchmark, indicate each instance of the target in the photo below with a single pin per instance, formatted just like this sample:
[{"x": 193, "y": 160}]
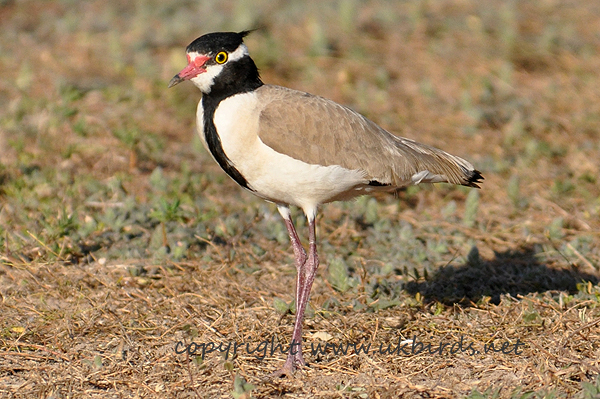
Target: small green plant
[
  {"x": 339, "y": 277},
  {"x": 167, "y": 211},
  {"x": 555, "y": 230},
  {"x": 487, "y": 394},
  {"x": 471, "y": 207},
  {"x": 590, "y": 390},
  {"x": 281, "y": 306},
  {"x": 241, "y": 388},
  {"x": 514, "y": 192}
]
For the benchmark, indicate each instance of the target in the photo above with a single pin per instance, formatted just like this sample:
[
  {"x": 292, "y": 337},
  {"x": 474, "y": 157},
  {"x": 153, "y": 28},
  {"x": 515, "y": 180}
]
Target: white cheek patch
[{"x": 205, "y": 80}]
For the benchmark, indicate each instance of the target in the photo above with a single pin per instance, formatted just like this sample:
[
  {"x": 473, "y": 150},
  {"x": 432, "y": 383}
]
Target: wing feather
[{"x": 321, "y": 132}]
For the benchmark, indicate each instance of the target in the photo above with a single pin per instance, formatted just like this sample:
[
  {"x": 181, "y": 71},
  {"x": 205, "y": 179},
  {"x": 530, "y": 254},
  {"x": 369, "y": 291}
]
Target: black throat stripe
[
  {"x": 213, "y": 142},
  {"x": 237, "y": 77}
]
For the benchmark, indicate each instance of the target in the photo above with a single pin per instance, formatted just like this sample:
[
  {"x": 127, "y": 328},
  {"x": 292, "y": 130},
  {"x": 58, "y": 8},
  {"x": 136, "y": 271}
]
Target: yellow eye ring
[{"x": 221, "y": 57}]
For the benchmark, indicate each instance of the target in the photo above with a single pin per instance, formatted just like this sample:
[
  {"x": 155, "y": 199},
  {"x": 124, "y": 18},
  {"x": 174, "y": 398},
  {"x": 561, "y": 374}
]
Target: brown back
[{"x": 319, "y": 131}]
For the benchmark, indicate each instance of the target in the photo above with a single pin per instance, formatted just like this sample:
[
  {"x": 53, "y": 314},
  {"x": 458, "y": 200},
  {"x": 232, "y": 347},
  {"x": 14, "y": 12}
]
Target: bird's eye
[{"x": 221, "y": 57}]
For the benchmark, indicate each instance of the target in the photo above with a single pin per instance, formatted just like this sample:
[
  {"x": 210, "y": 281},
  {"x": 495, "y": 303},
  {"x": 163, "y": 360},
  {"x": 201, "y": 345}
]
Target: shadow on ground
[{"x": 511, "y": 272}]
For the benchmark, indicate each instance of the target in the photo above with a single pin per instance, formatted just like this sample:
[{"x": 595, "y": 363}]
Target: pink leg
[
  {"x": 295, "y": 358},
  {"x": 299, "y": 252}
]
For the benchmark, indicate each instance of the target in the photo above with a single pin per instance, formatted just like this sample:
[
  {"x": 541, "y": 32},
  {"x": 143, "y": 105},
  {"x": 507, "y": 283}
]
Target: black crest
[{"x": 217, "y": 41}]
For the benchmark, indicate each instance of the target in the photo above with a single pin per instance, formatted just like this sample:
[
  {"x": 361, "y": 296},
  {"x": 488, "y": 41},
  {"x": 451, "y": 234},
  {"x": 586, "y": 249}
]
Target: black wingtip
[
  {"x": 375, "y": 183},
  {"x": 474, "y": 179}
]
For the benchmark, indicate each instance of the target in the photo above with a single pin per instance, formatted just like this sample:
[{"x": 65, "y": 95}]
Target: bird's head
[{"x": 216, "y": 60}]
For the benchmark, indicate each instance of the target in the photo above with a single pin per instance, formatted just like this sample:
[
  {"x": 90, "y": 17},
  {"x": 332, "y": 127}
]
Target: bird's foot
[{"x": 292, "y": 363}]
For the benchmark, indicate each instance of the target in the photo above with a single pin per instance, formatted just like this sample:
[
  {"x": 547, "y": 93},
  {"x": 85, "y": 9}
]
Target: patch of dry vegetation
[{"x": 120, "y": 237}]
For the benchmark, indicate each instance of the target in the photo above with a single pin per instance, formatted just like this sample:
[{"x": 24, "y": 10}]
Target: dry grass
[
  {"x": 97, "y": 331},
  {"x": 120, "y": 237}
]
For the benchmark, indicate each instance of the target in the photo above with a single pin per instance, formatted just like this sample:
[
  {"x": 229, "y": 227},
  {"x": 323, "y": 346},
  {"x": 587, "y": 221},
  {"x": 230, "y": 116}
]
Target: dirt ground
[{"x": 131, "y": 266}]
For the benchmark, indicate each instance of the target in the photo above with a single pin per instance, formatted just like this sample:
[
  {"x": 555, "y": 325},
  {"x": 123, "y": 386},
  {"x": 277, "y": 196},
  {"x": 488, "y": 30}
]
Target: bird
[{"x": 297, "y": 149}]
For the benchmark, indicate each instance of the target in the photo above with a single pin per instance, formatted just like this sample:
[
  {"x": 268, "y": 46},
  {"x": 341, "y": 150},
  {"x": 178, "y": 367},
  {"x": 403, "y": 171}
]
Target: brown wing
[{"x": 319, "y": 131}]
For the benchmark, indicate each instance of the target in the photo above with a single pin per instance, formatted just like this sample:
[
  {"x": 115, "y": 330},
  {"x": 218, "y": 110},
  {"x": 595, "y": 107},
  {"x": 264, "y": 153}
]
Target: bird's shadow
[{"x": 511, "y": 272}]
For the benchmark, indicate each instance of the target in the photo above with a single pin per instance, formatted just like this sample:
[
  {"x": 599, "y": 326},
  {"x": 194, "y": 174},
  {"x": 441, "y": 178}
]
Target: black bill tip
[{"x": 176, "y": 80}]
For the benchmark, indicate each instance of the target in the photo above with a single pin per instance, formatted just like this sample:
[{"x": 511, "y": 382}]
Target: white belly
[{"x": 272, "y": 175}]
